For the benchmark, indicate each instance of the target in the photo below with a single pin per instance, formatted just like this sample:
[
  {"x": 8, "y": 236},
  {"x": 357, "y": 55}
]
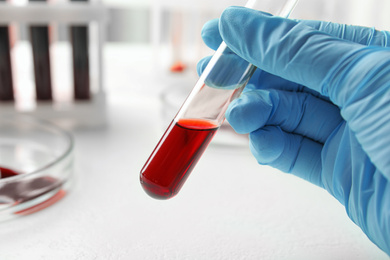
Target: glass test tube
[{"x": 199, "y": 118}]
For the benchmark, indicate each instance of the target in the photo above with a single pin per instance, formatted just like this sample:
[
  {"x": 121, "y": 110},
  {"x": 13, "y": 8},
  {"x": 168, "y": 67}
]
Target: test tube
[
  {"x": 6, "y": 81},
  {"x": 79, "y": 39},
  {"x": 41, "y": 55},
  {"x": 200, "y": 116}
]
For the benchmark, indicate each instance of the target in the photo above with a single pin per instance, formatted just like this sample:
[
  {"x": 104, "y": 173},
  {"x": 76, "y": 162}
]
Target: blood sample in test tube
[
  {"x": 39, "y": 35},
  {"x": 200, "y": 116},
  {"x": 79, "y": 39},
  {"x": 6, "y": 81}
]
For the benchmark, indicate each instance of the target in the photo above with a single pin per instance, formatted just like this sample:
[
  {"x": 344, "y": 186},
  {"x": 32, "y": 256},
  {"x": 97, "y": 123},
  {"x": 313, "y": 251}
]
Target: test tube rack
[{"x": 67, "y": 112}]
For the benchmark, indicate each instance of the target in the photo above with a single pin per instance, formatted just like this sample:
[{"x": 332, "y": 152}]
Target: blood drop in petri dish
[{"x": 24, "y": 190}]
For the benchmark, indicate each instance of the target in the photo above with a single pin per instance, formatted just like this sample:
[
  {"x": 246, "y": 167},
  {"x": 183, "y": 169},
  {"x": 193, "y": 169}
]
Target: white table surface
[{"x": 230, "y": 207}]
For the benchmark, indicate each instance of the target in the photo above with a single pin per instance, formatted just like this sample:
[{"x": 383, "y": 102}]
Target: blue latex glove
[{"x": 320, "y": 107}]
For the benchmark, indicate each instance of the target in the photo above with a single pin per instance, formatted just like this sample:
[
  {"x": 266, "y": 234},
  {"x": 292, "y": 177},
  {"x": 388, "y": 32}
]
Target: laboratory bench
[{"x": 229, "y": 208}]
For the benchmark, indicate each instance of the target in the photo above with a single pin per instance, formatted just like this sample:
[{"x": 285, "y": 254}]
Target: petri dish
[{"x": 36, "y": 165}]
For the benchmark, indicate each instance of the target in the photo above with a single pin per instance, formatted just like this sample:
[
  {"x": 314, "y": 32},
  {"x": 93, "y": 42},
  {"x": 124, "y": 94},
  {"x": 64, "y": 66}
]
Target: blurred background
[{"x": 158, "y": 41}]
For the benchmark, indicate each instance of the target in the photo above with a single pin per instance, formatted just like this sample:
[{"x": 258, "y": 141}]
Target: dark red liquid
[
  {"x": 6, "y": 172},
  {"x": 20, "y": 191},
  {"x": 175, "y": 156}
]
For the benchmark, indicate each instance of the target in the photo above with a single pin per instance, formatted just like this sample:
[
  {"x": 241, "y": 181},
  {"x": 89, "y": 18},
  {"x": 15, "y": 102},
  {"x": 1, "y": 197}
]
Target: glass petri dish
[{"x": 36, "y": 165}]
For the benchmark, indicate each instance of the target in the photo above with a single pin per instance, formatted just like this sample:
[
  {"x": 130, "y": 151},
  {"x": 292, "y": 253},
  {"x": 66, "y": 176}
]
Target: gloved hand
[{"x": 319, "y": 108}]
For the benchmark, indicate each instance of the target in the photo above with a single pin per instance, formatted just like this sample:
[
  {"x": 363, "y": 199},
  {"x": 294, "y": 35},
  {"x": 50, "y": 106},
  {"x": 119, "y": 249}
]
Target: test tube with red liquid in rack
[{"x": 199, "y": 118}]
